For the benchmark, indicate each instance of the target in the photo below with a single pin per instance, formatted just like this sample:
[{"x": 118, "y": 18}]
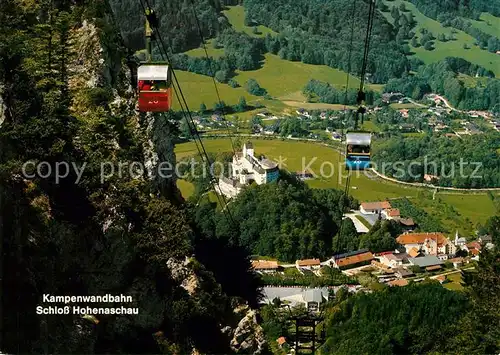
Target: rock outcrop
[
  {"x": 248, "y": 337},
  {"x": 3, "y": 107}
]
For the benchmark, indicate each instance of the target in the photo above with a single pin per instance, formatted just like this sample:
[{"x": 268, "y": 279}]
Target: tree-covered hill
[
  {"x": 66, "y": 97},
  {"x": 470, "y": 162},
  {"x": 286, "y": 220},
  {"x": 176, "y": 19},
  {"x": 319, "y": 32}
]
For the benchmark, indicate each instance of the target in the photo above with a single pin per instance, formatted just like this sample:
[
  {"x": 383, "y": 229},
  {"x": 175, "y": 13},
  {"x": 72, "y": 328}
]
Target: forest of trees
[
  {"x": 470, "y": 9},
  {"x": 286, "y": 220},
  {"x": 442, "y": 77},
  {"x": 176, "y": 21},
  {"x": 456, "y": 13},
  {"x": 318, "y": 32},
  {"x": 124, "y": 236},
  {"x": 329, "y": 94},
  {"x": 441, "y": 156}
]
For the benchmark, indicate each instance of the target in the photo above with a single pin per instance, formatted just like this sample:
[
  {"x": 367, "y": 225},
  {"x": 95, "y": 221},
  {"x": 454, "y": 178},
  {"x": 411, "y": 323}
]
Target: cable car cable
[
  {"x": 197, "y": 135},
  {"x": 200, "y": 32},
  {"x": 349, "y": 56},
  {"x": 360, "y": 99}
]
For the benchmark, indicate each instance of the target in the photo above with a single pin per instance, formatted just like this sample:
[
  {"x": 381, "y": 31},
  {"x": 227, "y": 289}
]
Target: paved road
[
  {"x": 360, "y": 227},
  {"x": 415, "y": 102}
]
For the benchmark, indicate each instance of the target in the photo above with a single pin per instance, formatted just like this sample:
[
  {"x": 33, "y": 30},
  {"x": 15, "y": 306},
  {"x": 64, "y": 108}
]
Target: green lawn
[
  {"x": 370, "y": 126},
  {"x": 186, "y": 188},
  {"x": 455, "y": 282},
  {"x": 200, "y": 88},
  {"x": 212, "y": 52},
  {"x": 364, "y": 221},
  {"x": 236, "y": 16},
  {"x": 488, "y": 24},
  {"x": 472, "y": 82},
  {"x": 296, "y": 156},
  {"x": 442, "y": 50},
  {"x": 282, "y": 77}
]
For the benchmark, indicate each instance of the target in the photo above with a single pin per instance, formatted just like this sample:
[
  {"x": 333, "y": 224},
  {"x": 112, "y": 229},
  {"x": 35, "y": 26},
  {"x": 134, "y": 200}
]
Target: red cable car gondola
[{"x": 154, "y": 87}]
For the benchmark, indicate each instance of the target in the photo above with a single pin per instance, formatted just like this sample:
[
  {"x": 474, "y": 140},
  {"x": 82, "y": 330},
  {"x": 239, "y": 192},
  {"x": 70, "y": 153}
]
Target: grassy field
[
  {"x": 488, "y": 24},
  {"x": 200, "y": 88},
  {"x": 212, "y": 52},
  {"x": 472, "y": 82},
  {"x": 282, "y": 77},
  {"x": 455, "y": 282},
  {"x": 455, "y": 48},
  {"x": 186, "y": 188},
  {"x": 236, "y": 16},
  {"x": 457, "y": 211},
  {"x": 370, "y": 126}
]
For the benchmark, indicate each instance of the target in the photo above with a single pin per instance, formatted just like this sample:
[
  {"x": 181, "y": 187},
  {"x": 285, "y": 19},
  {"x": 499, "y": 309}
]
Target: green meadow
[
  {"x": 199, "y": 89},
  {"x": 211, "y": 51},
  {"x": 454, "y": 48},
  {"x": 488, "y": 23},
  {"x": 282, "y": 78},
  {"x": 236, "y": 16},
  {"x": 456, "y": 211}
]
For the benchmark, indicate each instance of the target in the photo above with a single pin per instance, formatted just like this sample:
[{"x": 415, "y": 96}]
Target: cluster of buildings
[
  {"x": 247, "y": 168},
  {"x": 383, "y": 210}
]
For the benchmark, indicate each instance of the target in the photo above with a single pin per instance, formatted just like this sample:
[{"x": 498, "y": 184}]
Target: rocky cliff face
[
  {"x": 99, "y": 62},
  {"x": 3, "y": 107},
  {"x": 248, "y": 337}
]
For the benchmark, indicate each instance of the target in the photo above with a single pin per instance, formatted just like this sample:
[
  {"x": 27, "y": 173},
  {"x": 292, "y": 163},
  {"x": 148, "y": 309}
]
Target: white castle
[{"x": 245, "y": 169}]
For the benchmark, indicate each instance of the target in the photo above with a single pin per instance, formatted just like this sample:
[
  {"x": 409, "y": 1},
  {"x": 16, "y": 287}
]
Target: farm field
[
  {"x": 454, "y": 48},
  {"x": 455, "y": 210}
]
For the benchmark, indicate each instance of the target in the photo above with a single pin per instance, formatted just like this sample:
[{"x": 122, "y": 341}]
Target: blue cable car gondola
[{"x": 358, "y": 155}]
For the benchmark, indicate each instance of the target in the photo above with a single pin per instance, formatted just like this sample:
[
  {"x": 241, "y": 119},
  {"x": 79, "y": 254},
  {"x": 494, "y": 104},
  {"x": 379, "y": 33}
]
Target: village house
[
  {"x": 391, "y": 214},
  {"x": 304, "y": 175},
  {"x": 392, "y": 260},
  {"x": 389, "y": 97},
  {"x": 403, "y": 273},
  {"x": 415, "y": 252},
  {"x": 457, "y": 262},
  {"x": 429, "y": 262},
  {"x": 430, "y": 178},
  {"x": 308, "y": 264},
  {"x": 265, "y": 266},
  {"x": 398, "y": 282},
  {"x": 311, "y": 298},
  {"x": 408, "y": 224},
  {"x": 352, "y": 259},
  {"x": 374, "y": 207},
  {"x": 281, "y": 341},
  {"x": 435, "y": 244}
]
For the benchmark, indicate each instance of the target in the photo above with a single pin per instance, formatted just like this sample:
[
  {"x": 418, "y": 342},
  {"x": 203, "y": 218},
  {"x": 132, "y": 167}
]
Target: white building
[
  {"x": 246, "y": 168},
  {"x": 435, "y": 244}
]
